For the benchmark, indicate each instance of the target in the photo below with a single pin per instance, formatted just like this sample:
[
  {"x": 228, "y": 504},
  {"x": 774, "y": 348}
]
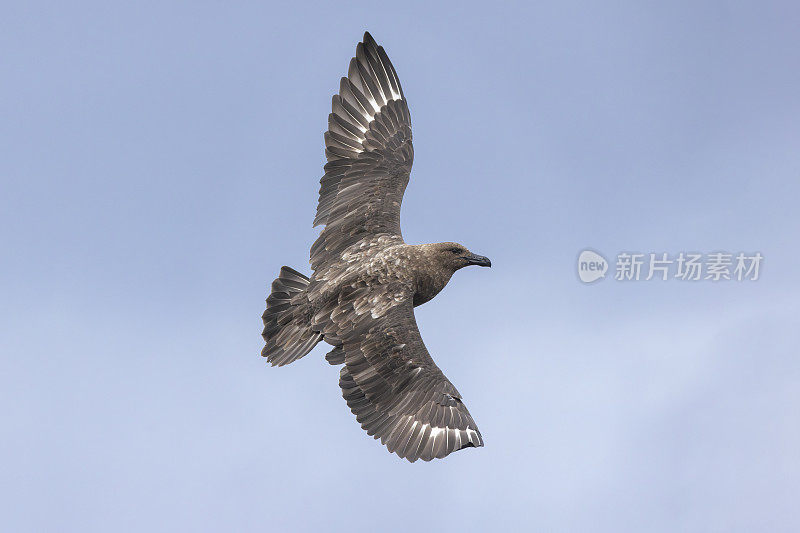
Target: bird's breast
[{"x": 428, "y": 284}]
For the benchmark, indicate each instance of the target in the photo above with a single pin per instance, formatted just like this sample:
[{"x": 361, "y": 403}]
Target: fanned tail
[{"x": 287, "y": 320}]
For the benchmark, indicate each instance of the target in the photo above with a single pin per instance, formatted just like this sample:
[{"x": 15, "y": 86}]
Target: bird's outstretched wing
[
  {"x": 369, "y": 152},
  {"x": 389, "y": 380}
]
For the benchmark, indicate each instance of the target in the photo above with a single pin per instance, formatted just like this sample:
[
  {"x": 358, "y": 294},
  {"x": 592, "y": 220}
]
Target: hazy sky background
[{"x": 160, "y": 161}]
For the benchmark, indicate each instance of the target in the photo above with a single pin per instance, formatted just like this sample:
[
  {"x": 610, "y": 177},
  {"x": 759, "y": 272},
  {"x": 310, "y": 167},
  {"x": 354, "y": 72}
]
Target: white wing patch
[{"x": 370, "y": 115}]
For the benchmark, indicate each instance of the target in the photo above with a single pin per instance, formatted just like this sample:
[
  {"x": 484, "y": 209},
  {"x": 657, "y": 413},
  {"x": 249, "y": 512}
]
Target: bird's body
[
  {"x": 408, "y": 268},
  {"x": 367, "y": 280}
]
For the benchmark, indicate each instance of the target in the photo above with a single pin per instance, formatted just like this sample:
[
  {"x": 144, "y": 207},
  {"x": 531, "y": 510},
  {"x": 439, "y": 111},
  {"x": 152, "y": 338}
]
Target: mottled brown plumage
[{"x": 367, "y": 280}]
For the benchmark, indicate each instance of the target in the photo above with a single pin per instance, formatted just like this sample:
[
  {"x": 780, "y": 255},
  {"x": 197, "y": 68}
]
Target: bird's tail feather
[{"x": 287, "y": 320}]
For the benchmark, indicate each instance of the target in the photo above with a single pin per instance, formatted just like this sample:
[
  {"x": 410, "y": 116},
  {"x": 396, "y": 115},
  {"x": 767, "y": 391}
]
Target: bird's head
[{"x": 453, "y": 256}]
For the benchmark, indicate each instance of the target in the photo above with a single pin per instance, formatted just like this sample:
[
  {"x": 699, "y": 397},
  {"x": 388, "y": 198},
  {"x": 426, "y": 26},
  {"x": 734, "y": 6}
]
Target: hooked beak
[{"x": 479, "y": 260}]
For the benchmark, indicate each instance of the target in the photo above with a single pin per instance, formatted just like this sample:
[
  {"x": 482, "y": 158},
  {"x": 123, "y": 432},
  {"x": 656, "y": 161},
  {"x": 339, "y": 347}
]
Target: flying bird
[{"x": 367, "y": 280}]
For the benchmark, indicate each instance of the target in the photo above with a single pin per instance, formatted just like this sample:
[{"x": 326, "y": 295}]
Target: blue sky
[{"x": 161, "y": 162}]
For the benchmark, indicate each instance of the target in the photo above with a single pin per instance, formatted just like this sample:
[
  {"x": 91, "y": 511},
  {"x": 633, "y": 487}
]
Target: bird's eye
[{"x": 455, "y": 250}]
